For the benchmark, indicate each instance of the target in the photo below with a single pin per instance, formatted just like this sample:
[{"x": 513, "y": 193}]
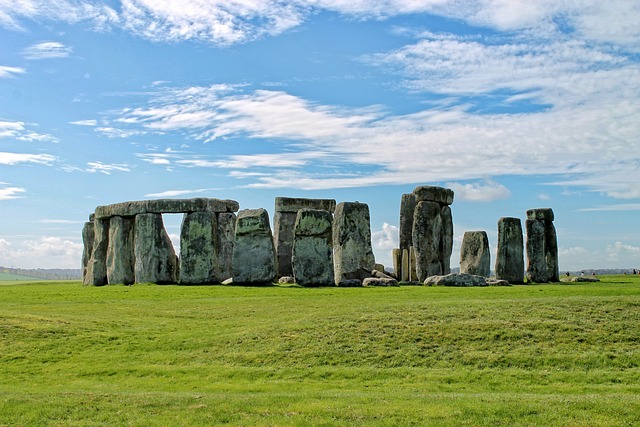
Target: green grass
[
  {"x": 10, "y": 277},
  {"x": 147, "y": 355}
]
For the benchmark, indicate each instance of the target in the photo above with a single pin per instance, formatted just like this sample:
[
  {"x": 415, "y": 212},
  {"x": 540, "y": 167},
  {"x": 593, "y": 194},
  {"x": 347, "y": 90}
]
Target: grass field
[
  {"x": 9, "y": 277},
  {"x": 147, "y": 355}
]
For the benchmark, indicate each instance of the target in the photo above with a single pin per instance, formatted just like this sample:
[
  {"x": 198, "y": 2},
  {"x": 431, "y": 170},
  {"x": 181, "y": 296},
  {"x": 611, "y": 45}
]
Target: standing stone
[
  {"x": 406, "y": 264},
  {"x": 154, "y": 252},
  {"x": 447, "y": 239},
  {"x": 407, "y": 206},
  {"x": 286, "y": 212},
  {"x": 353, "y": 255},
  {"x": 97, "y": 271},
  {"x": 542, "y": 246},
  {"x": 312, "y": 258},
  {"x": 396, "y": 254},
  {"x": 510, "y": 257},
  {"x": 226, "y": 233},
  {"x": 254, "y": 256},
  {"x": 427, "y": 239},
  {"x": 475, "y": 258},
  {"x": 88, "y": 237},
  {"x": 199, "y": 248},
  {"x": 120, "y": 253}
]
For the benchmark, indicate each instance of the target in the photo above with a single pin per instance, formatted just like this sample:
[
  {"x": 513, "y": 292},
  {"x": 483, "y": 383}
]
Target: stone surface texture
[
  {"x": 353, "y": 254},
  {"x": 542, "y": 247},
  {"x": 462, "y": 280},
  {"x": 226, "y": 237},
  {"x": 254, "y": 256},
  {"x": 312, "y": 257},
  {"x": 155, "y": 257},
  {"x": 88, "y": 237},
  {"x": 97, "y": 269},
  {"x": 475, "y": 257},
  {"x": 285, "y": 214},
  {"x": 199, "y": 248},
  {"x": 166, "y": 206},
  {"x": 510, "y": 251},
  {"x": 120, "y": 251},
  {"x": 427, "y": 239}
]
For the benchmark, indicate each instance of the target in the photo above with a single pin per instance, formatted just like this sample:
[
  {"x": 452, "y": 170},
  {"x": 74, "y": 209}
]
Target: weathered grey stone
[
  {"x": 166, "y": 206},
  {"x": 446, "y": 245},
  {"x": 88, "y": 237},
  {"x": 378, "y": 267},
  {"x": 97, "y": 270},
  {"x": 286, "y": 280},
  {"x": 293, "y": 205},
  {"x": 381, "y": 275},
  {"x": 405, "y": 273},
  {"x": 551, "y": 252},
  {"x": 154, "y": 253},
  {"x": 410, "y": 283},
  {"x": 396, "y": 254},
  {"x": 346, "y": 283},
  {"x": 427, "y": 238},
  {"x": 378, "y": 281},
  {"x": 463, "y": 280},
  {"x": 286, "y": 211},
  {"x": 312, "y": 255},
  {"x": 120, "y": 252},
  {"x": 254, "y": 256},
  {"x": 226, "y": 236},
  {"x": 545, "y": 214},
  {"x": 579, "y": 279},
  {"x": 407, "y": 207},
  {"x": 199, "y": 248},
  {"x": 475, "y": 258},
  {"x": 427, "y": 193},
  {"x": 510, "y": 252},
  {"x": 536, "y": 251},
  {"x": 498, "y": 282},
  {"x": 353, "y": 255}
]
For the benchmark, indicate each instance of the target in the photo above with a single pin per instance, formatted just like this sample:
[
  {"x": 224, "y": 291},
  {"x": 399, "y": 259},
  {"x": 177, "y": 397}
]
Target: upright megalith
[
  {"x": 155, "y": 257},
  {"x": 510, "y": 252},
  {"x": 407, "y": 207},
  {"x": 226, "y": 236},
  {"x": 432, "y": 231},
  {"x": 353, "y": 257},
  {"x": 97, "y": 268},
  {"x": 475, "y": 258},
  {"x": 286, "y": 211},
  {"x": 254, "y": 256},
  {"x": 88, "y": 238},
  {"x": 312, "y": 254},
  {"x": 199, "y": 248},
  {"x": 120, "y": 252},
  {"x": 542, "y": 246}
]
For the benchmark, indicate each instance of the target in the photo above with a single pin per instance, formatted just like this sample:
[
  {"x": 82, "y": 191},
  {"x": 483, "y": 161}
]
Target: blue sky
[{"x": 511, "y": 103}]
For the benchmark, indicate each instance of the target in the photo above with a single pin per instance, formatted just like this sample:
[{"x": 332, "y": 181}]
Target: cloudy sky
[{"x": 513, "y": 104}]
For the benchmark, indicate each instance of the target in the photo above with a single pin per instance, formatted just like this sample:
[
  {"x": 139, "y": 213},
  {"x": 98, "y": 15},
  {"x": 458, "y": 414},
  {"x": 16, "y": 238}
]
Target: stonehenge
[{"x": 315, "y": 242}]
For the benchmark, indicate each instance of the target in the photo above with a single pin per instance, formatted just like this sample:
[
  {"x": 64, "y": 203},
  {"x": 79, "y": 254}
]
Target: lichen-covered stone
[
  {"x": 199, "y": 248},
  {"x": 536, "y": 251},
  {"x": 475, "y": 258},
  {"x": 545, "y": 214},
  {"x": 428, "y": 193},
  {"x": 226, "y": 236},
  {"x": 446, "y": 245},
  {"x": 120, "y": 252},
  {"x": 156, "y": 260},
  {"x": 254, "y": 256},
  {"x": 353, "y": 255},
  {"x": 312, "y": 257},
  {"x": 427, "y": 239},
  {"x": 510, "y": 252},
  {"x": 161, "y": 206},
  {"x": 97, "y": 270},
  {"x": 88, "y": 237},
  {"x": 461, "y": 280},
  {"x": 407, "y": 207},
  {"x": 379, "y": 281}
]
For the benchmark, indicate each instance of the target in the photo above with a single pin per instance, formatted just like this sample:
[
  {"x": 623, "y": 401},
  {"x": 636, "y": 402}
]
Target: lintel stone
[
  {"x": 293, "y": 205},
  {"x": 166, "y": 206},
  {"x": 428, "y": 193},
  {"x": 545, "y": 214}
]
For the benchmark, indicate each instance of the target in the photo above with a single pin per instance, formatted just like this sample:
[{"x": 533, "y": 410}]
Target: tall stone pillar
[
  {"x": 542, "y": 246},
  {"x": 510, "y": 254},
  {"x": 353, "y": 257},
  {"x": 226, "y": 235},
  {"x": 156, "y": 260},
  {"x": 312, "y": 259},
  {"x": 88, "y": 237},
  {"x": 97, "y": 270},
  {"x": 120, "y": 253},
  {"x": 254, "y": 256},
  {"x": 285, "y": 214},
  {"x": 475, "y": 257},
  {"x": 199, "y": 248},
  {"x": 432, "y": 231}
]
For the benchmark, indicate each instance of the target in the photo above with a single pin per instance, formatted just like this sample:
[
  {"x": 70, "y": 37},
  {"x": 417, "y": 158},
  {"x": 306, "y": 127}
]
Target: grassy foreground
[{"x": 146, "y": 355}]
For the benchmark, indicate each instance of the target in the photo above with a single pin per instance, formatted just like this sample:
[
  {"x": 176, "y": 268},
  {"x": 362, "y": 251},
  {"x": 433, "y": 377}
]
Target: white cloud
[
  {"x": 175, "y": 193},
  {"x": 19, "y": 131},
  {"x": 47, "y": 50},
  {"x": 17, "y": 158},
  {"x": 6, "y": 71},
  {"x": 59, "y": 221},
  {"x": 106, "y": 169},
  {"x": 383, "y": 241},
  {"x": 485, "y": 191},
  {"x": 90, "y": 122},
  {"x": 43, "y": 252},
  {"x": 9, "y": 193},
  {"x": 613, "y": 208},
  {"x": 623, "y": 253}
]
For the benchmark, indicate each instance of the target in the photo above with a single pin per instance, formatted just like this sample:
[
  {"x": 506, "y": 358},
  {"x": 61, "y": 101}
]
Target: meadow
[{"x": 149, "y": 355}]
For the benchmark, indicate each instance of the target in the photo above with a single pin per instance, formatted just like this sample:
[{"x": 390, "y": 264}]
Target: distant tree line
[{"x": 46, "y": 273}]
